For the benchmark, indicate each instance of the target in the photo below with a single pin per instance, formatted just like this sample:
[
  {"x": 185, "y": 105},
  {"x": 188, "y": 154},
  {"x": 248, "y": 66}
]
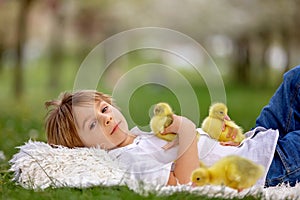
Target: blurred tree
[
  {"x": 294, "y": 33},
  {"x": 1, "y": 51},
  {"x": 265, "y": 40},
  {"x": 93, "y": 23},
  {"x": 21, "y": 37},
  {"x": 2, "y": 48},
  {"x": 286, "y": 41},
  {"x": 56, "y": 43},
  {"x": 242, "y": 59}
]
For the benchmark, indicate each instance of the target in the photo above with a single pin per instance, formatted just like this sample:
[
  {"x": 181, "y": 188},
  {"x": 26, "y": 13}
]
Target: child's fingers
[
  {"x": 173, "y": 128},
  {"x": 230, "y": 143},
  {"x": 167, "y": 130},
  {"x": 234, "y": 133}
]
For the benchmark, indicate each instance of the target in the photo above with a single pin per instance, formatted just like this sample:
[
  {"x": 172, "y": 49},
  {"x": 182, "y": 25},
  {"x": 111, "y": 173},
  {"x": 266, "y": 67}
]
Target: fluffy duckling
[
  {"x": 233, "y": 171},
  {"x": 162, "y": 118},
  {"x": 220, "y": 127}
]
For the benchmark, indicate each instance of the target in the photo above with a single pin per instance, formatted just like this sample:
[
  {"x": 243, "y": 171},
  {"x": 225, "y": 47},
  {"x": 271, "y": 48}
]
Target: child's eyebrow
[{"x": 98, "y": 104}]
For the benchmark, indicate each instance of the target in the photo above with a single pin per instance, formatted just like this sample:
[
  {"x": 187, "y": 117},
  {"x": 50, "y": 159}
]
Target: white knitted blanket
[{"x": 38, "y": 165}]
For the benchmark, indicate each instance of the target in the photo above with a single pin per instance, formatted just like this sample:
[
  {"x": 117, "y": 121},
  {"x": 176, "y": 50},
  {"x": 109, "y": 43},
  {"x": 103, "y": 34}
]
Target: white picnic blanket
[{"x": 37, "y": 165}]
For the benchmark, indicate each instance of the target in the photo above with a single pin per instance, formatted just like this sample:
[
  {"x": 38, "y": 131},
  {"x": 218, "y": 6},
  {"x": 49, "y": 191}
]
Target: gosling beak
[{"x": 227, "y": 118}]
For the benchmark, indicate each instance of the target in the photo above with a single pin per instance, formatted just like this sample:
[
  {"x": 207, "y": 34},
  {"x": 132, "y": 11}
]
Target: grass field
[{"x": 22, "y": 119}]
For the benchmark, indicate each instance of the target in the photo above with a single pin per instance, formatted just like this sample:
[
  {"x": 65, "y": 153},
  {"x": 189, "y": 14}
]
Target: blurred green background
[{"x": 43, "y": 43}]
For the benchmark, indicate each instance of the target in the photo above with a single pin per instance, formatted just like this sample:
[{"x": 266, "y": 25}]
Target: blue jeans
[{"x": 283, "y": 113}]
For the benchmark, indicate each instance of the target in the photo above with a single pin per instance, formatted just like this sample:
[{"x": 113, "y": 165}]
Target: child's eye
[
  {"x": 92, "y": 125},
  {"x": 104, "y": 109}
]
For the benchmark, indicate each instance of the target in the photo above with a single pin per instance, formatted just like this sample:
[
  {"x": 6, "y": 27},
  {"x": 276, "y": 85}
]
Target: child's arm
[{"x": 187, "y": 156}]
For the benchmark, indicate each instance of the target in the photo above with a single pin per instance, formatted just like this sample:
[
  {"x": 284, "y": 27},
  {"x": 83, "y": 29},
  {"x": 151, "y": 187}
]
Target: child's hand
[
  {"x": 232, "y": 132},
  {"x": 184, "y": 128},
  {"x": 181, "y": 126}
]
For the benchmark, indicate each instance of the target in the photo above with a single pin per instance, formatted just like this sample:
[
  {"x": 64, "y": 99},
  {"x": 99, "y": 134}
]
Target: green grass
[
  {"x": 10, "y": 191},
  {"x": 22, "y": 119}
]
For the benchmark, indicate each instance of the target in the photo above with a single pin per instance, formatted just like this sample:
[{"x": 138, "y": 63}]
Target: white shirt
[{"x": 145, "y": 160}]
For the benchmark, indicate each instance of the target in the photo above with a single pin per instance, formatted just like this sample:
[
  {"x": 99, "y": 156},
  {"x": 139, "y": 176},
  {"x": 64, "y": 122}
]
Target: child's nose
[{"x": 108, "y": 120}]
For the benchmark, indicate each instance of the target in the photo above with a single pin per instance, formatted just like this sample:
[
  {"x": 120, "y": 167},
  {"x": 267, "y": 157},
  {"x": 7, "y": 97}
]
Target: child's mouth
[{"x": 115, "y": 128}]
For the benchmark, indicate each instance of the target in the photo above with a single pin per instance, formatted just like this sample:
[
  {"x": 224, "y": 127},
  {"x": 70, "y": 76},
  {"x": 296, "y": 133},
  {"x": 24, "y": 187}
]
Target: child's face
[{"x": 101, "y": 125}]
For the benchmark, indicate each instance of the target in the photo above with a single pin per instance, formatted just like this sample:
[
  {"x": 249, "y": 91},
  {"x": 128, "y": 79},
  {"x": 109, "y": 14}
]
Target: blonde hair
[{"x": 60, "y": 123}]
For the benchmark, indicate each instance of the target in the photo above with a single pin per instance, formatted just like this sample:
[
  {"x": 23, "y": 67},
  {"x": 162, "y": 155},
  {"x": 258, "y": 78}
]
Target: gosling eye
[
  {"x": 221, "y": 112},
  {"x": 158, "y": 109},
  {"x": 198, "y": 179}
]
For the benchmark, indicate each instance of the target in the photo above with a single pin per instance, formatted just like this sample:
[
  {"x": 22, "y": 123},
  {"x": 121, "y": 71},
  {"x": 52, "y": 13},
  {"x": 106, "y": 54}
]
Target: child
[{"x": 88, "y": 119}]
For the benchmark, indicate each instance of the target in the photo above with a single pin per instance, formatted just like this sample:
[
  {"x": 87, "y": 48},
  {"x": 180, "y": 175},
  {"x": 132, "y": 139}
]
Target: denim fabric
[{"x": 283, "y": 113}]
